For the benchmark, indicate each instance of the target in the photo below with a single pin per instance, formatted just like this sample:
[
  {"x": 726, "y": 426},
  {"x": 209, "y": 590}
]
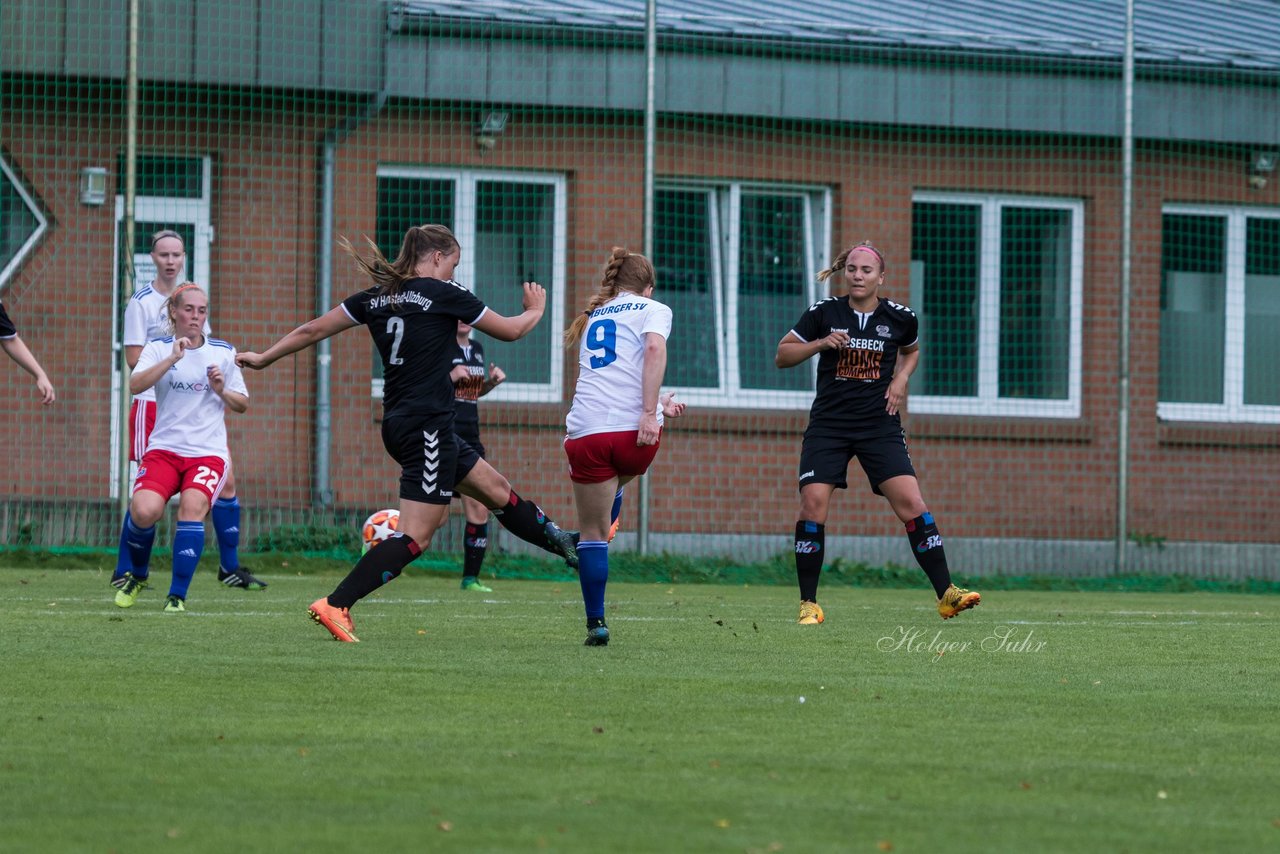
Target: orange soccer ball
[{"x": 379, "y": 527}]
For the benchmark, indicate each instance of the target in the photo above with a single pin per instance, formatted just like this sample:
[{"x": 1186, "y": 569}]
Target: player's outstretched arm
[
  {"x": 19, "y": 352},
  {"x": 311, "y": 332},
  {"x": 515, "y": 328}
]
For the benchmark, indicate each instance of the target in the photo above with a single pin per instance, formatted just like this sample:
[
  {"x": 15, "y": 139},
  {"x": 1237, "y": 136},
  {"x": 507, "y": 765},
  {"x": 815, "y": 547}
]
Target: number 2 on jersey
[
  {"x": 395, "y": 327},
  {"x": 603, "y": 335}
]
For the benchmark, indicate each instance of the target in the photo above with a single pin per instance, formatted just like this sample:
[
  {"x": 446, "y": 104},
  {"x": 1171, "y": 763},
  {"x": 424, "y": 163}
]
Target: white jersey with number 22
[{"x": 189, "y": 414}]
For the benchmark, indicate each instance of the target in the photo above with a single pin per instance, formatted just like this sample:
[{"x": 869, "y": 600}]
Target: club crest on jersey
[{"x": 883, "y": 331}]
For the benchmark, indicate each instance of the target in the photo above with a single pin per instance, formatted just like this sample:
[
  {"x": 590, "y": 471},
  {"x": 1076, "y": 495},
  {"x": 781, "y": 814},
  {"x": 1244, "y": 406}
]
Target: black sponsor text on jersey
[
  {"x": 852, "y": 380},
  {"x": 416, "y": 332}
]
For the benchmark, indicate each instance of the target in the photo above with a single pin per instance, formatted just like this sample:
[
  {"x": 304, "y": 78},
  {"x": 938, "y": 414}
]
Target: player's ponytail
[
  {"x": 836, "y": 266},
  {"x": 625, "y": 271},
  {"x": 390, "y": 276}
]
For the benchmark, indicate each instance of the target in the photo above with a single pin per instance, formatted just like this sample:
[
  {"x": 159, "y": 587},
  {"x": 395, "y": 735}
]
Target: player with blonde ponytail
[
  {"x": 867, "y": 348},
  {"x": 615, "y": 423},
  {"x": 196, "y": 381}
]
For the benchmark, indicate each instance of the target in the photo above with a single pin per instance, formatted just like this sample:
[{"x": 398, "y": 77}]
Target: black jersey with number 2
[
  {"x": 852, "y": 381},
  {"x": 416, "y": 332}
]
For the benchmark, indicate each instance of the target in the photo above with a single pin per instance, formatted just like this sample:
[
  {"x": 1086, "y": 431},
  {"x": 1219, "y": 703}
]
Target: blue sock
[
  {"x": 593, "y": 574},
  {"x": 139, "y": 542},
  {"x": 617, "y": 507},
  {"x": 226, "y": 524},
  {"x": 188, "y": 543},
  {"x": 123, "y": 562}
]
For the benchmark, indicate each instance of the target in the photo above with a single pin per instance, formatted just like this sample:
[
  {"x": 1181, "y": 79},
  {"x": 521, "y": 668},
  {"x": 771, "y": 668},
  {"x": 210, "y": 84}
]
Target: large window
[
  {"x": 1220, "y": 315},
  {"x": 996, "y": 283},
  {"x": 738, "y": 265},
  {"x": 512, "y": 230},
  {"x": 21, "y": 222}
]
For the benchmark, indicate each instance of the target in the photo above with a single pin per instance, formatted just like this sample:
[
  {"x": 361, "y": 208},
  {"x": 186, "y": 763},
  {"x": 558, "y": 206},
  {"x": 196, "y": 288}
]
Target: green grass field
[{"x": 1053, "y": 721}]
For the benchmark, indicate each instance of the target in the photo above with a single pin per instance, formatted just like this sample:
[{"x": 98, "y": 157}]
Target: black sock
[
  {"x": 594, "y": 622},
  {"x": 526, "y": 520},
  {"x": 474, "y": 546},
  {"x": 809, "y": 545},
  {"x": 380, "y": 564},
  {"x": 926, "y": 545}
]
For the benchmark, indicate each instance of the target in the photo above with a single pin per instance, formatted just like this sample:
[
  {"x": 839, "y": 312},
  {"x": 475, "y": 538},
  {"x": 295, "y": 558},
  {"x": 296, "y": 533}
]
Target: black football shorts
[
  {"x": 427, "y": 451},
  {"x": 882, "y": 453}
]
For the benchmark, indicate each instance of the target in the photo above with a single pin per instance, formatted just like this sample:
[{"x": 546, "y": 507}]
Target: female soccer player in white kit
[
  {"x": 196, "y": 380},
  {"x": 144, "y": 320},
  {"x": 615, "y": 423}
]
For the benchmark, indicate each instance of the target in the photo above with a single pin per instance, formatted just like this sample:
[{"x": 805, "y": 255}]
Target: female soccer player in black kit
[
  {"x": 412, "y": 312},
  {"x": 472, "y": 381},
  {"x": 867, "y": 349}
]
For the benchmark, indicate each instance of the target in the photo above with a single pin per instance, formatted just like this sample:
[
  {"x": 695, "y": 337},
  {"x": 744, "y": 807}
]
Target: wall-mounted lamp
[
  {"x": 93, "y": 185},
  {"x": 489, "y": 127},
  {"x": 1261, "y": 163}
]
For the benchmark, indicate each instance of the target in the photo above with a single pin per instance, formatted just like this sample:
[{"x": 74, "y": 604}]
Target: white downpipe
[
  {"x": 322, "y": 479},
  {"x": 650, "y": 137},
  {"x": 1126, "y": 284}
]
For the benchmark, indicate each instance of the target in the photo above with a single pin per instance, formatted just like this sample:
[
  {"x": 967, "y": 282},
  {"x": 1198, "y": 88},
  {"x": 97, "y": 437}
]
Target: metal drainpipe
[
  {"x": 322, "y": 493},
  {"x": 650, "y": 136},
  {"x": 1126, "y": 287}
]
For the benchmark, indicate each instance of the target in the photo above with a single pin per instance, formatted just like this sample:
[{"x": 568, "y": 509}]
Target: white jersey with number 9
[{"x": 609, "y": 396}]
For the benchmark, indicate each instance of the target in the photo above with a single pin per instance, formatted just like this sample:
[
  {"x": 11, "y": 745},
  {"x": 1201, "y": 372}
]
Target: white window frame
[
  {"x": 465, "y": 181},
  {"x": 1233, "y": 408},
  {"x": 42, "y": 224},
  {"x": 987, "y": 402},
  {"x": 725, "y": 200}
]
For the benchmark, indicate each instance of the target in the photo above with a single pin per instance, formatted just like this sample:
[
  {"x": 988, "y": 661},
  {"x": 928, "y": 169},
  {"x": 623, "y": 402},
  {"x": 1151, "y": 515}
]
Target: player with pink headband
[
  {"x": 867, "y": 348},
  {"x": 196, "y": 380}
]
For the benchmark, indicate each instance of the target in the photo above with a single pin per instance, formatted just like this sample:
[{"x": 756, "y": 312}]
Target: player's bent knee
[{"x": 146, "y": 508}]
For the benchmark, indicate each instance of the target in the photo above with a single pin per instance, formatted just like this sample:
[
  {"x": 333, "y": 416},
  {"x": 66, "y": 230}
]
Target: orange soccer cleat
[{"x": 336, "y": 620}]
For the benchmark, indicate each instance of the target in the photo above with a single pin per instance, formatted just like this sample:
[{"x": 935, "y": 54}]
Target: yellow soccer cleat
[
  {"x": 955, "y": 600},
  {"x": 128, "y": 592},
  {"x": 810, "y": 614}
]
